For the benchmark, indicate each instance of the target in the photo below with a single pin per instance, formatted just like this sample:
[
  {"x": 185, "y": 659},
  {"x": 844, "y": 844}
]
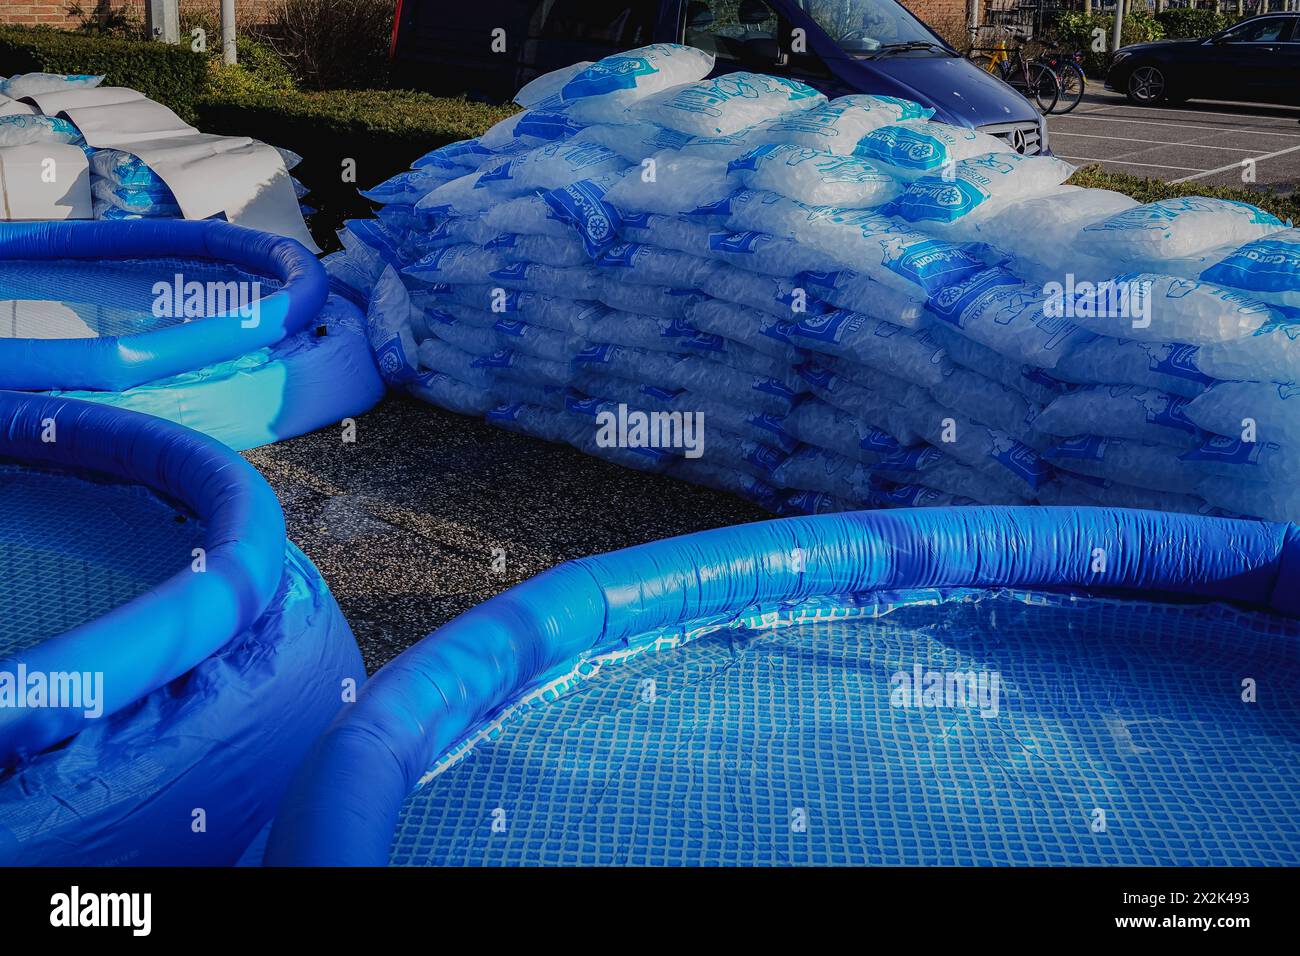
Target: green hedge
[
  {"x": 1074, "y": 31},
  {"x": 1190, "y": 22},
  {"x": 169, "y": 74},
  {"x": 1149, "y": 190},
  {"x": 382, "y": 131}
]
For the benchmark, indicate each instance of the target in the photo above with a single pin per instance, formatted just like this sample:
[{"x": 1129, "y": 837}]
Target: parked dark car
[
  {"x": 1254, "y": 61},
  {"x": 837, "y": 46}
]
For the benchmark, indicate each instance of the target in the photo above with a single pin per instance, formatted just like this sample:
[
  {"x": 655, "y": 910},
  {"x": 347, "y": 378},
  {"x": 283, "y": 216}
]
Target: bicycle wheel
[
  {"x": 984, "y": 62},
  {"x": 1044, "y": 87},
  {"x": 1072, "y": 87}
]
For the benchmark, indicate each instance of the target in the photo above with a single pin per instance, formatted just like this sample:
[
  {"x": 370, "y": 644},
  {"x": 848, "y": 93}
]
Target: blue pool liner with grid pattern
[
  {"x": 758, "y": 744},
  {"x": 104, "y": 273},
  {"x": 135, "y": 549},
  {"x": 529, "y": 710},
  {"x": 212, "y": 675}
]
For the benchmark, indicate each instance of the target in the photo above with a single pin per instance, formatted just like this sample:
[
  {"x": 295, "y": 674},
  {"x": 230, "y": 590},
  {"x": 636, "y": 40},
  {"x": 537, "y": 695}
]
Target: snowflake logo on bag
[
  {"x": 949, "y": 196},
  {"x": 597, "y": 226}
]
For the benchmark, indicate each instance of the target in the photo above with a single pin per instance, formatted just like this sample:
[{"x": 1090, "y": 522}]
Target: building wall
[
  {"x": 16, "y": 11},
  {"x": 55, "y": 12},
  {"x": 946, "y": 17}
]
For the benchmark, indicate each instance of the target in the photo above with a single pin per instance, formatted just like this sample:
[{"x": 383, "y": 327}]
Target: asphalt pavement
[
  {"x": 1220, "y": 144},
  {"x": 428, "y": 513}
]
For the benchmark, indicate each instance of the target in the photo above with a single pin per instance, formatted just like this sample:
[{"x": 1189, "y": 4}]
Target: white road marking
[
  {"x": 1237, "y": 165},
  {"x": 1154, "y": 142},
  {"x": 1194, "y": 129},
  {"x": 1185, "y": 123},
  {"x": 1164, "y": 109},
  {"x": 1121, "y": 162}
]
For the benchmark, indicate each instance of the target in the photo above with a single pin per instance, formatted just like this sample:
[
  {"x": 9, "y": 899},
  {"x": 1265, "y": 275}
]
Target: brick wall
[
  {"x": 18, "y": 11},
  {"x": 946, "y": 17},
  {"x": 56, "y": 12}
]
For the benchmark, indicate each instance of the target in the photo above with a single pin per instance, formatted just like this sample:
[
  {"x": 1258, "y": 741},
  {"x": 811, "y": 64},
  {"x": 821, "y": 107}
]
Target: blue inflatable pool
[
  {"x": 165, "y": 655},
  {"x": 305, "y": 382},
  {"x": 978, "y": 686},
  {"x": 219, "y": 328}
]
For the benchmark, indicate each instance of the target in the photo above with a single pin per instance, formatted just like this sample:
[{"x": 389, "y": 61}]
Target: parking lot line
[
  {"x": 1153, "y": 142},
  {"x": 1179, "y": 111},
  {"x": 1180, "y": 144},
  {"x": 1237, "y": 165},
  {"x": 1121, "y": 162},
  {"x": 1184, "y": 126}
]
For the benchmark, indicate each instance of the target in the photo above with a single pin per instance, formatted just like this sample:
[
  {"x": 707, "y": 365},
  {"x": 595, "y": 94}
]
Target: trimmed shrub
[
  {"x": 1191, "y": 22},
  {"x": 169, "y": 74},
  {"x": 371, "y": 133},
  {"x": 332, "y": 44},
  {"x": 1075, "y": 31}
]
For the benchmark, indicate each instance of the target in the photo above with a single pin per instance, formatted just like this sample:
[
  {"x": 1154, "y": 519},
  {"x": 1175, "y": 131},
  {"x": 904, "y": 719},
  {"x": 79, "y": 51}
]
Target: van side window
[
  {"x": 622, "y": 23},
  {"x": 730, "y": 30}
]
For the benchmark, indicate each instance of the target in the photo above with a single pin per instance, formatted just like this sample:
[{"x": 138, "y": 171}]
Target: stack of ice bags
[{"x": 832, "y": 304}]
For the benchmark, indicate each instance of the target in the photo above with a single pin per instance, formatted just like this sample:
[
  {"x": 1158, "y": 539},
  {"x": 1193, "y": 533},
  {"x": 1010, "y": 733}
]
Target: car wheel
[{"x": 1147, "y": 86}]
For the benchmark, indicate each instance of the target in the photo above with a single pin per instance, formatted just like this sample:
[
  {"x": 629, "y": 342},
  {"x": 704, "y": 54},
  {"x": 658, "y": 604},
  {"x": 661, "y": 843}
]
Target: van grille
[{"x": 1008, "y": 132}]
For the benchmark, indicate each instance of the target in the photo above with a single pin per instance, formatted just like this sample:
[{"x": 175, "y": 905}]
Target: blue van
[{"x": 837, "y": 46}]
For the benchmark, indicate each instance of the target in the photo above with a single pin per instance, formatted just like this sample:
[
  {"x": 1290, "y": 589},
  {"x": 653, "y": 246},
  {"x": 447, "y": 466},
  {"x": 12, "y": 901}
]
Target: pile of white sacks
[
  {"x": 827, "y": 305},
  {"x": 122, "y": 185}
]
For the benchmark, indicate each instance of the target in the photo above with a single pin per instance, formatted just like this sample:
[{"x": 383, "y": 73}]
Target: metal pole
[
  {"x": 1119, "y": 25},
  {"x": 163, "y": 20},
  {"x": 228, "y": 32}
]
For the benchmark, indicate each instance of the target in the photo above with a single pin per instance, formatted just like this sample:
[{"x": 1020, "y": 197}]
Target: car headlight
[{"x": 1120, "y": 55}]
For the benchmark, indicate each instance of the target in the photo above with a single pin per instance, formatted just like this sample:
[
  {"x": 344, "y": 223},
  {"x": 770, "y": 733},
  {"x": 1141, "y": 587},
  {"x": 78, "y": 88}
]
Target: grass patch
[{"x": 1148, "y": 190}]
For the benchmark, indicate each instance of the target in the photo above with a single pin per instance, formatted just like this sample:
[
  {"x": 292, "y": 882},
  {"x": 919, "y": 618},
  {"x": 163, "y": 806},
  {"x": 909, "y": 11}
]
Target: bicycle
[
  {"x": 1069, "y": 73},
  {"x": 1031, "y": 78}
]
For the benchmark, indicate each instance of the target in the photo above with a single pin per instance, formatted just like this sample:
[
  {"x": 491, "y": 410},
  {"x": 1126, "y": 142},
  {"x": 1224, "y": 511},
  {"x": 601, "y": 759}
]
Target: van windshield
[{"x": 871, "y": 27}]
